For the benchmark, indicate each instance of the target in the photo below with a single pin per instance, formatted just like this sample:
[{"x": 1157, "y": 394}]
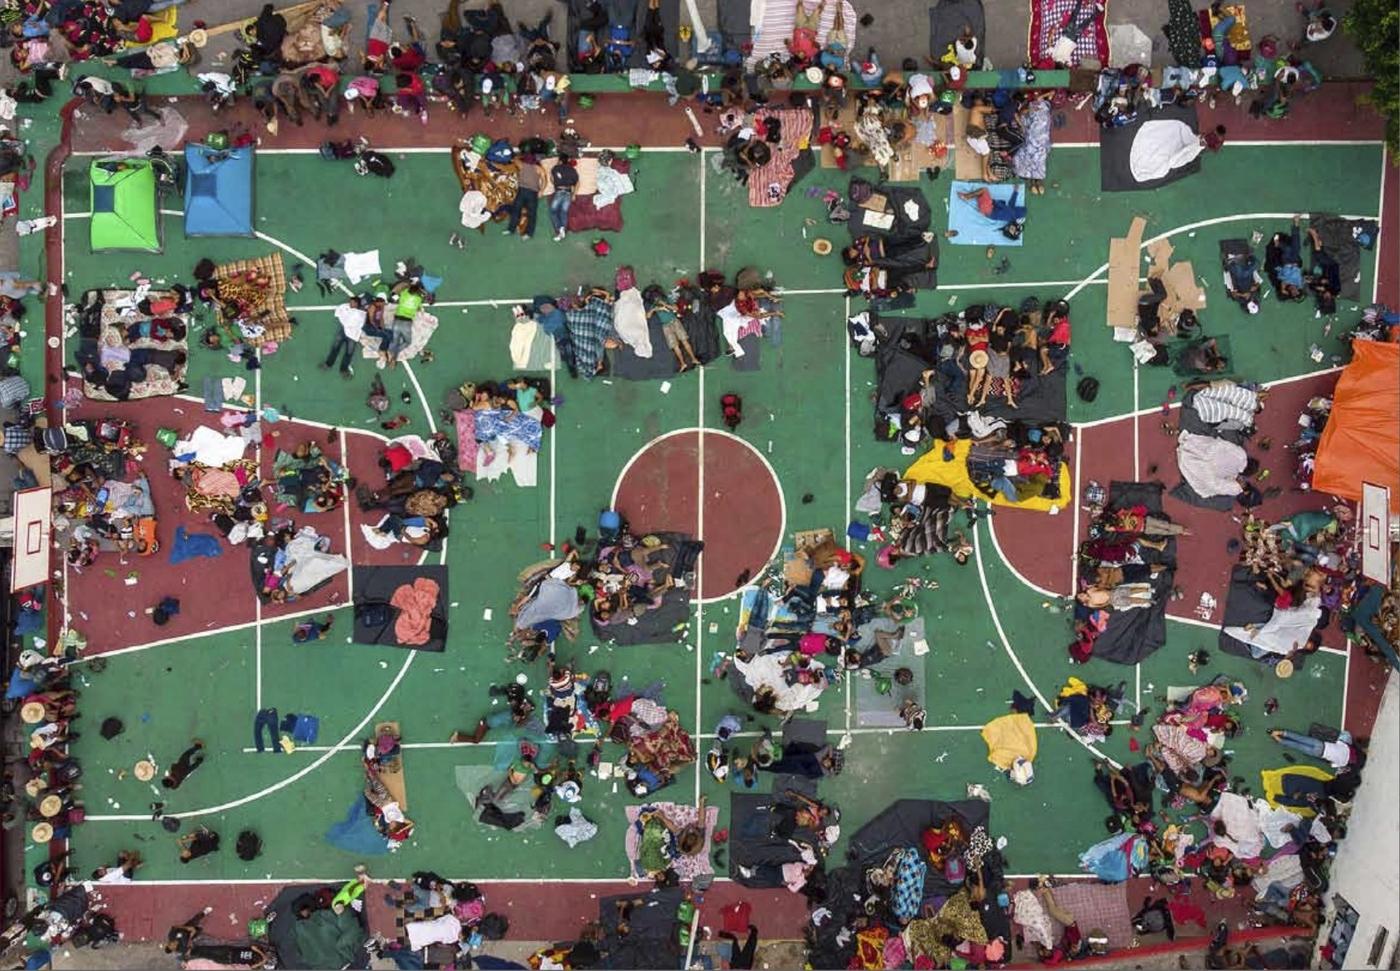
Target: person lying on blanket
[
  {"x": 1009, "y": 215},
  {"x": 663, "y": 841},
  {"x": 1242, "y": 280},
  {"x": 1284, "y": 262}
]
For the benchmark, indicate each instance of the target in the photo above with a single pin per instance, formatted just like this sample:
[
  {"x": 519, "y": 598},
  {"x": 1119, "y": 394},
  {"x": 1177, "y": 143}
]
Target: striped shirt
[{"x": 1226, "y": 401}]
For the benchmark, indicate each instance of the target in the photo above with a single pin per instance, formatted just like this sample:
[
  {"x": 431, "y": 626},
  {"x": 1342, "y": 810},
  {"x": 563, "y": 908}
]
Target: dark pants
[
  {"x": 189, "y": 760},
  {"x": 343, "y": 346},
  {"x": 743, "y": 957},
  {"x": 41, "y": 88},
  {"x": 266, "y": 718},
  {"x": 526, "y": 202},
  {"x": 385, "y": 335}
]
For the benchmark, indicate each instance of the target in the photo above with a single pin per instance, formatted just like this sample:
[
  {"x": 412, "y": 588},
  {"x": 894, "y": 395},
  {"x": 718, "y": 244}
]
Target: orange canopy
[{"x": 1362, "y": 439}]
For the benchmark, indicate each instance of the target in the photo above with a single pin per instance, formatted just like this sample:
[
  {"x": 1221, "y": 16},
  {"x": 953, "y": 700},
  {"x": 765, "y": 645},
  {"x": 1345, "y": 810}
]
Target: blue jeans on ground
[
  {"x": 1301, "y": 743},
  {"x": 526, "y": 202},
  {"x": 344, "y": 347},
  {"x": 559, "y": 203},
  {"x": 1003, "y": 485},
  {"x": 265, "y": 718}
]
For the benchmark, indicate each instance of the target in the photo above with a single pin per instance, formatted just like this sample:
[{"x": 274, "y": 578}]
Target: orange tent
[{"x": 1362, "y": 439}]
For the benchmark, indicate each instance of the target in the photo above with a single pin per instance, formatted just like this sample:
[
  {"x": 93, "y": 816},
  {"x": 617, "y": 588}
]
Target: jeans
[
  {"x": 343, "y": 346},
  {"x": 385, "y": 335},
  {"x": 266, "y": 718},
  {"x": 1301, "y": 743},
  {"x": 559, "y": 203},
  {"x": 1004, "y": 485},
  {"x": 526, "y": 202}
]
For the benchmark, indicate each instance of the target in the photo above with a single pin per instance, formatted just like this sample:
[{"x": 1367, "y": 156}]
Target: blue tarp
[{"x": 218, "y": 191}]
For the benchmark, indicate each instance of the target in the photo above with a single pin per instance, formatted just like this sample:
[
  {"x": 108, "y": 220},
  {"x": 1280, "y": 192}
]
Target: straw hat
[
  {"x": 50, "y": 806},
  {"x": 977, "y": 358},
  {"x": 822, "y": 247},
  {"x": 43, "y": 832},
  {"x": 33, "y": 787},
  {"x": 814, "y": 74},
  {"x": 1284, "y": 668},
  {"x": 198, "y": 37},
  {"x": 32, "y": 713},
  {"x": 144, "y": 771}
]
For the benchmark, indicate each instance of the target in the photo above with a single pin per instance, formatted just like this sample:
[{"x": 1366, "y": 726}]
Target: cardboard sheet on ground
[
  {"x": 411, "y": 620},
  {"x": 967, "y": 164},
  {"x": 1123, "y": 264},
  {"x": 391, "y": 774},
  {"x": 1116, "y": 150},
  {"x": 1132, "y": 635},
  {"x": 973, "y": 228},
  {"x": 931, "y": 467},
  {"x": 1179, "y": 280}
]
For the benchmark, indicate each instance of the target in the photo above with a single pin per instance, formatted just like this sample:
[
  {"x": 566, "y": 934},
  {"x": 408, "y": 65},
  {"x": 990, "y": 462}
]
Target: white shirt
[
  {"x": 98, "y": 85},
  {"x": 352, "y": 321},
  {"x": 1337, "y": 753},
  {"x": 979, "y": 145}
]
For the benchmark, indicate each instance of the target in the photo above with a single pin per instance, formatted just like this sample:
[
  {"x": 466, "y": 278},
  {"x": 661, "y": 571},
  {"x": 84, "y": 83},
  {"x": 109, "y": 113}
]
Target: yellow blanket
[
  {"x": 1009, "y": 738},
  {"x": 1273, "y": 785},
  {"x": 932, "y": 468}
]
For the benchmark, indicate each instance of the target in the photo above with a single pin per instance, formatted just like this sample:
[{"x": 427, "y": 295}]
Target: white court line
[
  {"x": 1210, "y": 625},
  {"x": 447, "y": 149},
  {"x": 488, "y": 882},
  {"x": 345, "y": 514},
  {"x": 1172, "y": 405},
  {"x": 1137, "y": 422},
  {"x": 701, "y": 432},
  {"x": 1006, "y": 643},
  {"x": 553, "y": 449},
  {"x": 698, "y": 736},
  {"x": 1077, "y": 490},
  {"x": 846, "y": 343},
  {"x": 1093, "y": 278},
  {"x": 257, "y": 655},
  {"x": 231, "y": 628},
  {"x": 700, "y": 520},
  {"x": 1346, "y": 687}
]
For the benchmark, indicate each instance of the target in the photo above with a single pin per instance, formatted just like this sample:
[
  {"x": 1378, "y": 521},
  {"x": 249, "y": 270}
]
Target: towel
[{"x": 415, "y": 602}]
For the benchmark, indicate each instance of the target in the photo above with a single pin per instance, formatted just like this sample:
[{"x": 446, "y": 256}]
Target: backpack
[
  {"x": 373, "y": 615},
  {"x": 500, "y": 152},
  {"x": 1087, "y": 389},
  {"x": 249, "y": 845}
]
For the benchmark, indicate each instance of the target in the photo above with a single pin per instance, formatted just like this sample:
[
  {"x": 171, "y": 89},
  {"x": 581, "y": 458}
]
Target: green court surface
[{"x": 807, "y": 411}]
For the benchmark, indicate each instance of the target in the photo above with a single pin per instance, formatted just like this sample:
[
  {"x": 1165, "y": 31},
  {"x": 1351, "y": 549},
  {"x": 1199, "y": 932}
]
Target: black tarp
[
  {"x": 1116, "y": 146},
  {"x": 632, "y": 13},
  {"x": 908, "y": 346},
  {"x": 1339, "y": 243},
  {"x": 283, "y": 930},
  {"x": 652, "y": 939},
  {"x": 1132, "y": 635},
  {"x": 375, "y": 585},
  {"x": 733, "y": 20},
  {"x": 752, "y": 844},
  {"x": 658, "y": 626},
  {"x": 948, "y": 19},
  {"x": 623, "y": 362},
  {"x": 1245, "y": 604}
]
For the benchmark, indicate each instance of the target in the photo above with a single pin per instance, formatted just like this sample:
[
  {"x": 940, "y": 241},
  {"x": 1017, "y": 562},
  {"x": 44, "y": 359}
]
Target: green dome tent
[{"x": 124, "y": 204}]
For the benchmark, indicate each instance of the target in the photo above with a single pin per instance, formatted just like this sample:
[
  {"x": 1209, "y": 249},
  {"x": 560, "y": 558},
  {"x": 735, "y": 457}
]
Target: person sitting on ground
[
  {"x": 1242, "y": 280},
  {"x": 201, "y": 842}
]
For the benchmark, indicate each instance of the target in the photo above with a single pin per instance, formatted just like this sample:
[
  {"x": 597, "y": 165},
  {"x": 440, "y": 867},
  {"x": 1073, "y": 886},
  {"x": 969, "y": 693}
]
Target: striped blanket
[
  {"x": 768, "y": 185},
  {"x": 775, "y": 30}
]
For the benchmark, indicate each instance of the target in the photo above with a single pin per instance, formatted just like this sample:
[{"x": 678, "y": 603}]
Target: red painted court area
[
  {"x": 740, "y": 515},
  {"x": 111, "y": 598}
]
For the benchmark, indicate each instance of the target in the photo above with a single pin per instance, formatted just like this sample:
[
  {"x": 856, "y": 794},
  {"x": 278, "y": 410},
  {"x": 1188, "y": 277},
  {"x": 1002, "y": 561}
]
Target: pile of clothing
[{"x": 102, "y": 498}]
